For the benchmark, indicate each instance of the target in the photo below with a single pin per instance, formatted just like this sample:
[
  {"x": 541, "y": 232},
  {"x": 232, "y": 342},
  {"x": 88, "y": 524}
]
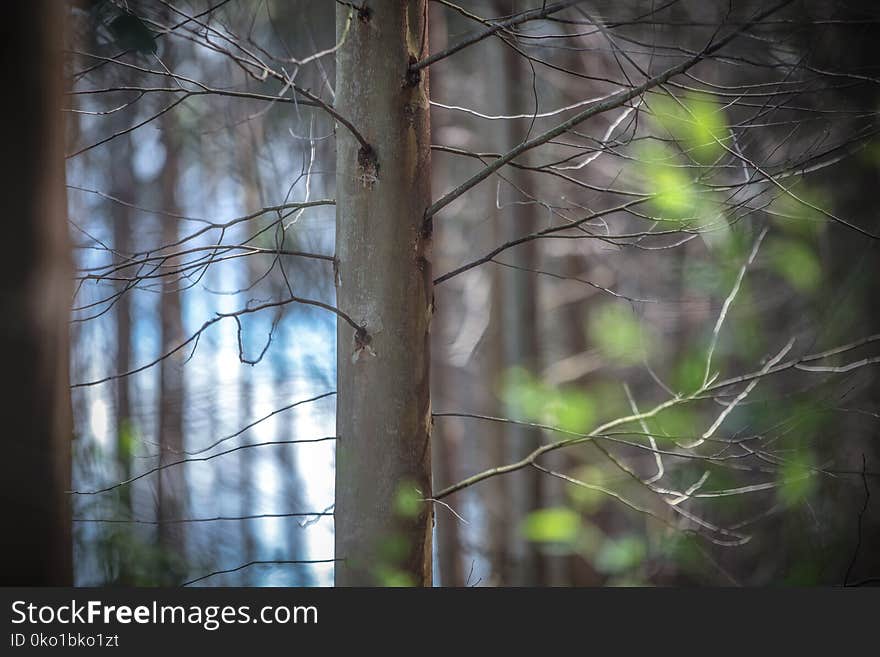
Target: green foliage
[
  {"x": 689, "y": 372},
  {"x": 696, "y": 122},
  {"x": 393, "y": 548},
  {"x": 393, "y": 552},
  {"x": 796, "y": 479},
  {"x": 128, "y": 559},
  {"x": 552, "y": 525},
  {"x": 796, "y": 262},
  {"x": 407, "y": 501},
  {"x": 128, "y": 440},
  {"x": 530, "y": 399},
  {"x": 571, "y": 410},
  {"x": 620, "y": 555},
  {"x": 394, "y": 578},
  {"x": 587, "y": 500},
  {"x": 675, "y": 196},
  {"x": 618, "y": 335},
  {"x": 678, "y": 423},
  {"x": 682, "y": 549}
]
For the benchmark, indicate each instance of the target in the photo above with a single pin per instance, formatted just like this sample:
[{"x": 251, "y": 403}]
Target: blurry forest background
[{"x": 732, "y": 230}]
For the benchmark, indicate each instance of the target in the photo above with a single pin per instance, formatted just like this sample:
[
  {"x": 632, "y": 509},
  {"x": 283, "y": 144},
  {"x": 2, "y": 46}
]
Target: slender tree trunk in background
[
  {"x": 35, "y": 300},
  {"x": 444, "y": 391},
  {"x": 172, "y": 488},
  {"x": 383, "y": 455},
  {"x": 250, "y": 186},
  {"x": 445, "y": 459},
  {"x": 122, "y": 182},
  {"x": 498, "y": 514},
  {"x": 519, "y": 327}
]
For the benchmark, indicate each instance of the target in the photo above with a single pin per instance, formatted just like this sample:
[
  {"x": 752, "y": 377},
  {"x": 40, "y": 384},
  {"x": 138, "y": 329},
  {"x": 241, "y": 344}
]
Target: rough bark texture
[
  {"x": 383, "y": 458},
  {"x": 35, "y": 289}
]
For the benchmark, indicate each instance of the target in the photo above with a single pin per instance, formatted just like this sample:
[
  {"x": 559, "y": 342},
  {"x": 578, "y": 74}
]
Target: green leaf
[
  {"x": 571, "y": 410},
  {"x": 525, "y": 395},
  {"x": 128, "y": 439},
  {"x": 617, "y": 556},
  {"x": 674, "y": 194},
  {"x": 796, "y": 478},
  {"x": 696, "y": 121},
  {"x": 617, "y": 334},
  {"x": 588, "y": 500},
  {"x": 407, "y": 501},
  {"x": 796, "y": 263},
  {"x": 676, "y": 423},
  {"x": 552, "y": 525},
  {"x": 394, "y": 578}
]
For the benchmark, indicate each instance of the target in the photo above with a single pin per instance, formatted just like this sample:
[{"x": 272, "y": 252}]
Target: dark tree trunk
[
  {"x": 35, "y": 300},
  {"x": 172, "y": 487}
]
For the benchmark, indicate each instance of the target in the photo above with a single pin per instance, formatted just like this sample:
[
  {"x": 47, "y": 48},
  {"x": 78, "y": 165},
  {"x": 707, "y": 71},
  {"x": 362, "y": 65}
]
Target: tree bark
[
  {"x": 122, "y": 181},
  {"x": 35, "y": 293},
  {"x": 519, "y": 334},
  {"x": 383, "y": 456},
  {"x": 172, "y": 487}
]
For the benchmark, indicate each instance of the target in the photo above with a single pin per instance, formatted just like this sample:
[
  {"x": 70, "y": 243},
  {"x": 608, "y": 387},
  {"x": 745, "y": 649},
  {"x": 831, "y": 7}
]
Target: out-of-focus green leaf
[
  {"x": 620, "y": 555},
  {"x": 674, "y": 194},
  {"x": 128, "y": 439},
  {"x": 587, "y": 500},
  {"x": 393, "y": 548},
  {"x": 617, "y": 334},
  {"x": 571, "y": 410},
  {"x": 683, "y": 551},
  {"x": 525, "y": 395},
  {"x": 796, "y": 262},
  {"x": 796, "y": 479},
  {"x": 407, "y": 501},
  {"x": 696, "y": 121},
  {"x": 678, "y": 423},
  {"x": 530, "y": 399},
  {"x": 689, "y": 371},
  {"x": 393, "y": 577},
  {"x": 552, "y": 525}
]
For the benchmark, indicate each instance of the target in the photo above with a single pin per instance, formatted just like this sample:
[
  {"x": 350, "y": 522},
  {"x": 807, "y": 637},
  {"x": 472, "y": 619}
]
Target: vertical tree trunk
[
  {"x": 519, "y": 328},
  {"x": 444, "y": 388},
  {"x": 172, "y": 488},
  {"x": 122, "y": 181},
  {"x": 246, "y": 150},
  {"x": 35, "y": 288},
  {"x": 383, "y": 456}
]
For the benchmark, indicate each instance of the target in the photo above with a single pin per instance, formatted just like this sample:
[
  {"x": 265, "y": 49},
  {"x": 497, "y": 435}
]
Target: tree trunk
[
  {"x": 122, "y": 181},
  {"x": 35, "y": 300},
  {"x": 519, "y": 329},
  {"x": 246, "y": 150},
  {"x": 383, "y": 456},
  {"x": 172, "y": 488}
]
